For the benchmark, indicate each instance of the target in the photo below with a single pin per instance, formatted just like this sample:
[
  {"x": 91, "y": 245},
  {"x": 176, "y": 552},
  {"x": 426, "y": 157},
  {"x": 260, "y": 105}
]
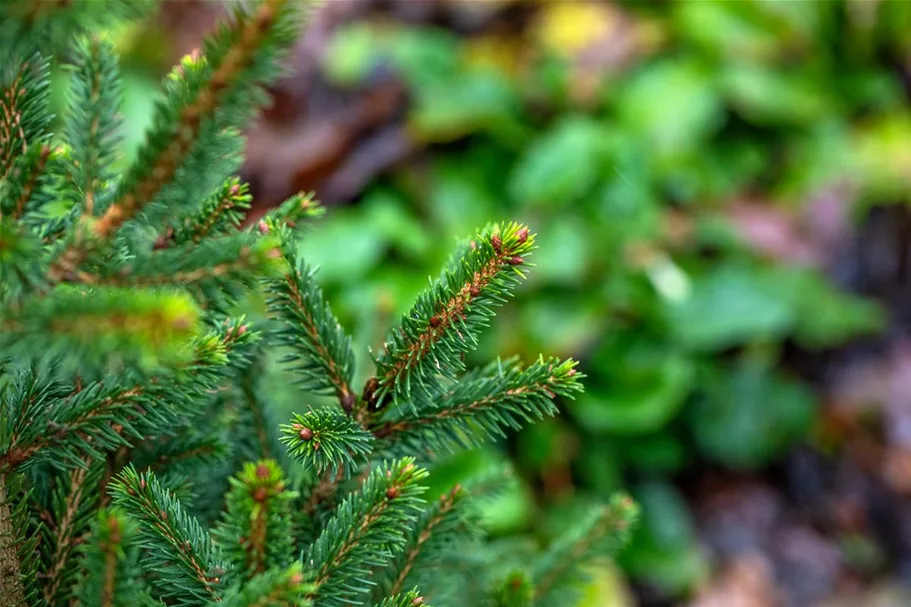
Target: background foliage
[{"x": 718, "y": 193}]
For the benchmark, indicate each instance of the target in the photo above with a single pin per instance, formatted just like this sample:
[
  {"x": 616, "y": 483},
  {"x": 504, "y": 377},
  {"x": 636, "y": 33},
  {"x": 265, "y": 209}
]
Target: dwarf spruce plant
[{"x": 141, "y": 462}]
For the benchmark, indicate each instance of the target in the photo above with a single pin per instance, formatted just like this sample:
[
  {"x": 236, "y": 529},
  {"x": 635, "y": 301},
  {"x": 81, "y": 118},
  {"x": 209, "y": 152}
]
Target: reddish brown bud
[
  {"x": 435, "y": 320},
  {"x": 497, "y": 242},
  {"x": 263, "y": 227},
  {"x": 418, "y": 602},
  {"x": 392, "y": 493},
  {"x": 241, "y": 330},
  {"x": 522, "y": 235},
  {"x": 142, "y": 483},
  {"x": 316, "y": 446},
  {"x": 260, "y": 494},
  {"x": 475, "y": 291},
  {"x": 571, "y": 372},
  {"x": 234, "y": 189},
  {"x": 347, "y": 401},
  {"x": 305, "y": 434},
  {"x": 515, "y": 261},
  {"x": 262, "y": 471}
]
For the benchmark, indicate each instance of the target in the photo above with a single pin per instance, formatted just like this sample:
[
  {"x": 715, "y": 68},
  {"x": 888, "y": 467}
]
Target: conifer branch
[
  {"x": 72, "y": 515},
  {"x": 558, "y": 573},
  {"x": 516, "y": 590},
  {"x": 274, "y": 588},
  {"x": 63, "y": 429},
  {"x": 235, "y": 260},
  {"x": 321, "y": 351},
  {"x": 234, "y": 57},
  {"x": 447, "y": 319},
  {"x": 93, "y": 122},
  {"x": 24, "y": 115},
  {"x": 255, "y": 533},
  {"x": 440, "y": 520},
  {"x": 109, "y": 569},
  {"x": 219, "y": 214},
  {"x": 35, "y": 170},
  {"x": 481, "y": 406},
  {"x": 85, "y": 325},
  {"x": 365, "y": 525},
  {"x": 412, "y": 598},
  {"x": 177, "y": 549},
  {"x": 326, "y": 441}
]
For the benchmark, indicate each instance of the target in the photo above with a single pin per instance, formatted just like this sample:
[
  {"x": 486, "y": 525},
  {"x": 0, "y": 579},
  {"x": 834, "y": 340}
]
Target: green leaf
[
  {"x": 562, "y": 165},
  {"x": 731, "y": 304},
  {"x": 747, "y": 414}
]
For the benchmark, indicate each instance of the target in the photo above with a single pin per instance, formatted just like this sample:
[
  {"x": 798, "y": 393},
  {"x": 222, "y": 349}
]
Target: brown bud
[
  {"x": 497, "y": 242},
  {"x": 260, "y": 494},
  {"x": 571, "y": 372},
  {"x": 316, "y": 446},
  {"x": 418, "y": 602},
  {"x": 522, "y": 235},
  {"x": 435, "y": 320},
  {"x": 475, "y": 291},
  {"x": 163, "y": 514},
  {"x": 241, "y": 330},
  {"x": 263, "y": 227},
  {"x": 305, "y": 434},
  {"x": 142, "y": 483},
  {"x": 515, "y": 261},
  {"x": 262, "y": 471},
  {"x": 347, "y": 400},
  {"x": 392, "y": 493}
]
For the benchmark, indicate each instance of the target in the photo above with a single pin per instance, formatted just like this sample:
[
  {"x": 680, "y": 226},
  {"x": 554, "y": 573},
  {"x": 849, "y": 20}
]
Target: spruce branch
[
  {"x": 365, "y": 527},
  {"x": 435, "y": 531},
  {"x": 446, "y": 320},
  {"x": 412, "y": 598},
  {"x": 74, "y": 499},
  {"x": 480, "y": 406},
  {"x": 516, "y": 590},
  {"x": 27, "y": 175},
  {"x": 177, "y": 548},
  {"x": 85, "y": 325},
  {"x": 237, "y": 59},
  {"x": 559, "y": 572},
  {"x": 109, "y": 565},
  {"x": 292, "y": 212},
  {"x": 226, "y": 263},
  {"x": 321, "y": 354},
  {"x": 255, "y": 533},
  {"x": 93, "y": 120},
  {"x": 327, "y": 442},
  {"x": 220, "y": 214},
  {"x": 48, "y": 423},
  {"x": 24, "y": 114},
  {"x": 273, "y": 588}
]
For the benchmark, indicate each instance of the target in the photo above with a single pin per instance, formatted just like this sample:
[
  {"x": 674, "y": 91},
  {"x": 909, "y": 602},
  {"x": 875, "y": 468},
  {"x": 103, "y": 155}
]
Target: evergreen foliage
[{"x": 140, "y": 460}]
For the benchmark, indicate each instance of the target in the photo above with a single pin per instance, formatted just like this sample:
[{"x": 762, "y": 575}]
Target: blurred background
[{"x": 720, "y": 191}]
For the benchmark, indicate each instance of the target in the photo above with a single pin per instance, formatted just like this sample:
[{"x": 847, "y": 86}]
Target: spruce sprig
[
  {"x": 447, "y": 319},
  {"x": 365, "y": 528},
  {"x": 177, "y": 548}
]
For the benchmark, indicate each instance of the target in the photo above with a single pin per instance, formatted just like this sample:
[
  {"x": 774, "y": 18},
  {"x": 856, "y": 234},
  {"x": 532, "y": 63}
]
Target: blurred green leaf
[
  {"x": 731, "y": 304},
  {"x": 664, "y": 551},
  {"x": 562, "y": 165},
  {"x": 747, "y": 414}
]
